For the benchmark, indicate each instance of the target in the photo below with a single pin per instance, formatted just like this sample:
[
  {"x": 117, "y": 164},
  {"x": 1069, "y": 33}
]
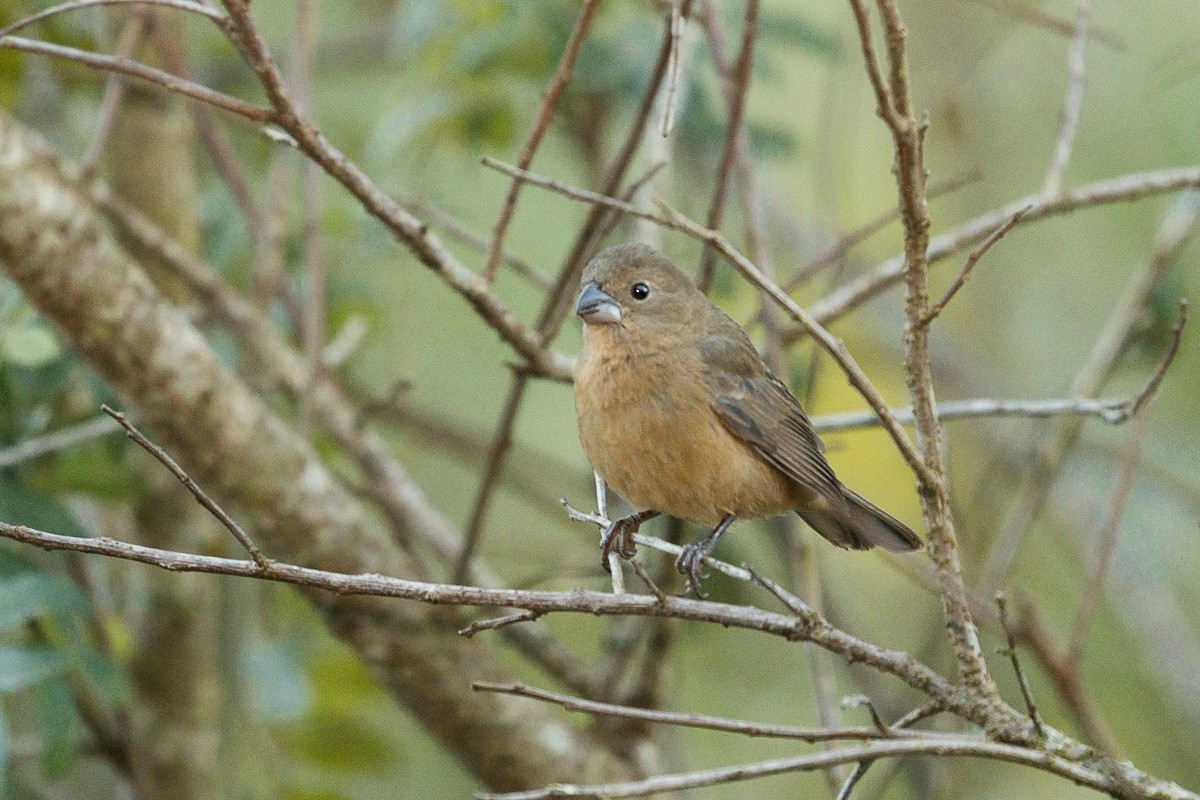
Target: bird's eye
[{"x": 640, "y": 291}]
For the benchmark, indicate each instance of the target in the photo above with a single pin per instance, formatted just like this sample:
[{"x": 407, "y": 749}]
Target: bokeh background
[{"x": 416, "y": 91}]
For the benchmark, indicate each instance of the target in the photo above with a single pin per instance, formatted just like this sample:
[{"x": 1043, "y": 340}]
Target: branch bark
[{"x": 59, "y": 251}]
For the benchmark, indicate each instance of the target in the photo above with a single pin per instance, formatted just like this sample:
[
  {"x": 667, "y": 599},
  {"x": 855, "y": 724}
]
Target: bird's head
[{"x": 636, "y": 288}]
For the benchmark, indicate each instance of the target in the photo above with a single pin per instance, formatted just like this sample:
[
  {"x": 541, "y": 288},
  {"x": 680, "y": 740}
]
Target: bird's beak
[{"x": 596, "y": 306}]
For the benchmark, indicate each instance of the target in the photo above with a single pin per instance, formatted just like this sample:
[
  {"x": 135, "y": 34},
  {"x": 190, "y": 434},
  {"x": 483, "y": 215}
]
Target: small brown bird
[{"x": 679, "y": 414}]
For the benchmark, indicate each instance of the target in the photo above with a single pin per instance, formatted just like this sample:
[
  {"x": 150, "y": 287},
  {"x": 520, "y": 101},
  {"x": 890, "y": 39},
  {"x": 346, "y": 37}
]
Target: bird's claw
[
  {"x": 618, "y": 538},
  {"x": 689, "y": 563}
]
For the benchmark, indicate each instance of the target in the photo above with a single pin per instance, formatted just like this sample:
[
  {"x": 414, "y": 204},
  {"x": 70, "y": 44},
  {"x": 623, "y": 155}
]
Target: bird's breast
[{"x": 647, "y": 426}]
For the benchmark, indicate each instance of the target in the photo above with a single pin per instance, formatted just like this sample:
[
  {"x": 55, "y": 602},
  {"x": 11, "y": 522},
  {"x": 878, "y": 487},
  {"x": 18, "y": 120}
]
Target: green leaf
[
  {"x": 22, "y": 666},
  {"x": 334, "y": 740},
  {"x": 20, "y": 505},
  {"x": 3, "y": 755},
  {"x": 32, "y": 594},
  {"x": 56, "y": 714},
  {"x": 30, "y": 345}
]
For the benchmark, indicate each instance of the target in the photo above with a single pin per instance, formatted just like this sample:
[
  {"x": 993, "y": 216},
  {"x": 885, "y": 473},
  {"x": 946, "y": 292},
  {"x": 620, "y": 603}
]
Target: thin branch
[
  {"x": 1176, "y": 229},
  {"x": 132, "y": 33},
  {"x": 1011, "y": 652},
  {"x": 125, "y": 66},
  {"x": 1072, "y": 103},
  {"x": 491, "y": 473},
  {"x": 61, "y": 439},
  {"x": 706, "y": 721},
  {"x": 184, "y": 5},
  {"x": 873, "y": 226},
  {"x": 1164, "y": 361},
  {"x": 1112, "y": 410},
  {"x": 456, "y": 230},
  {"x": 1065, "y": 757},
  {"x": 493, "y": 623},
  {"x": 415, "y": 234},
  {"x": 930, "y": 744},
  {"x": 674, "y": 69},
  {"x": 562, "y": 76},
  {"x": 209, "y": 505},
  {"x": 738, "y": 80},
  {"x": 1039, "y": 18},
  {"x": 1106, "y": 543},
  {"x": 1034, "y": 632},
  {"x": 972, "y": 260},
  {"x": 1125, "y": 188}
]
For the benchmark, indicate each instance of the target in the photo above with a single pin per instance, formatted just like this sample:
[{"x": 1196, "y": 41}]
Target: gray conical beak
[{"x": 597, "y": 307}]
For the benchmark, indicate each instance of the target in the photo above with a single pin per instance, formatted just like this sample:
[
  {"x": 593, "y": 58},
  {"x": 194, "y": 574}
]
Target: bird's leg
[
  {"x": 619, "y": 535},
  {"x": 691, "y": 559}
]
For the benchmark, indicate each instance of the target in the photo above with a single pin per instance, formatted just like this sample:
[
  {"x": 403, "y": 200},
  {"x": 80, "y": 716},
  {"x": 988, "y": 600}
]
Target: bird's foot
[
  {"x": 690, "y": 561},
  {"x": 691, "y": 558},
  {"x": 618, "y": 536}
]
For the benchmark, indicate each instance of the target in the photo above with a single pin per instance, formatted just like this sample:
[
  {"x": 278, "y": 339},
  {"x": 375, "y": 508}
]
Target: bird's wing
[{"x": 757, "y": 408}]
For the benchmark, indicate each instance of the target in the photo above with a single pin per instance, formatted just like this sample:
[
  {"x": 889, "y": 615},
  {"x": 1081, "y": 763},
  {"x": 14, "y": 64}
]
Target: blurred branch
[
  {"x": 132, "y": 32},
  {"x": 737, "y": 80},
  {"x": 54, "y": 441},
  {"x": 151, "y": 75},
  {"x": 562, "y": 76},
  {"x": 1039, "y": 18},
  {"x": 1125, "y": 188},
  {"x": 184, "y": 5},
  {"x": 1072, "y": 103},
  {"x": 1176, "y": 228}
]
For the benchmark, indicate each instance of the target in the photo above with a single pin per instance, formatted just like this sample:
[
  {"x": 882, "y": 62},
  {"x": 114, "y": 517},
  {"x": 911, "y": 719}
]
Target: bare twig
[
  {"x": 1176, "y": 229},
  {"x": 1033, "y": 630},
  {"x": 674, "y": 69},
  {"x": 428, "y": 249},
  {"x": 972, "y": 260},
  {"x": 132, "y": 33},
  {"x": 1040, "y": 18},
  {"x": 1011, "y": 652},
  {"x": 184, "y": 5},
  {"x": 1072, "y": 103},
  {"x": 860, "y": 769},
  {"x": 1061, "y": 756},
  {"x": 739, "y": 82},
  {"x": 492, "y": 623},
  {"x": 873, "y": 226},
  {"x": 1116, "y": 190},
  {"x": 1106, "y": 543},
  {"x": 60, "y": 439},
  {"x": 722, "y": 724},
  {"x": 209, "y": 505},
  {"x": 1112, "y": 410},
  {"x": 562, "y": 76},
  {"x": 456, "y": 230},
  {"x": 125, "y": 66},
  {"x": 934, "y": 744}
]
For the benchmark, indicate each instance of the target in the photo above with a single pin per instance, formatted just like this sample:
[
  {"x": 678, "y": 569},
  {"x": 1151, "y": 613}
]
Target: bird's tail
[{"x": 861, "y": 525}]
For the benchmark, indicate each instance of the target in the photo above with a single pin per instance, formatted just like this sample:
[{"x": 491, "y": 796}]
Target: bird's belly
[{"x": 666, "y": 450}]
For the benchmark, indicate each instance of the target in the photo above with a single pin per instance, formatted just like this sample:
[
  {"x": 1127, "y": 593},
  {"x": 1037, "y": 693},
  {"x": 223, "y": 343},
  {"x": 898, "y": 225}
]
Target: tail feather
[{"x": 861, "y": 525}]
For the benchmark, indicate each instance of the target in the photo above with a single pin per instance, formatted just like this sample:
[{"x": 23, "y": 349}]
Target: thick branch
[{"x": 63, "y": 257}]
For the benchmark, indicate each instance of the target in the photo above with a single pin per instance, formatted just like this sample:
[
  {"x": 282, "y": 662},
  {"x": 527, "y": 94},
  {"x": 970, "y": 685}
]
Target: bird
[{"x": 679, "y": 414}]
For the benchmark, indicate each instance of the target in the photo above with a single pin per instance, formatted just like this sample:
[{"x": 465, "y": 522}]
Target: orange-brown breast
[{"x": 647, "y": 427}]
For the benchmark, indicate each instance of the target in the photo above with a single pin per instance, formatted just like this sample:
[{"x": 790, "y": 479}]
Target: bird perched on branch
[{"x": 678, "y": 413}]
